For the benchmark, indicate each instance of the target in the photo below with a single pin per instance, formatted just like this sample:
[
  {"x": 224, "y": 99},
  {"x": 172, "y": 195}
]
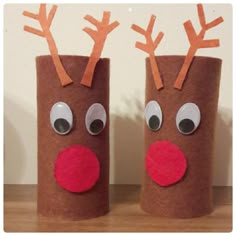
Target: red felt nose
[
  {"x": 165, "y": 163},
  {"x": 76, "y": 169}
]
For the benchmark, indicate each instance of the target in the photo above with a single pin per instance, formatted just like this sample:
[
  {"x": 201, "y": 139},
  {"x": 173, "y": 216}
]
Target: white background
[{"x": 127, "y": 80}]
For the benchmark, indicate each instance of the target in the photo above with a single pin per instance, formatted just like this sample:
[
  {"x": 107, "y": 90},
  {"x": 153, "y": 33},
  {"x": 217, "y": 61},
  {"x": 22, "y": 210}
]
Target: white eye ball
[
  {"x": 188, "y": 118},
  {"x": 61, "y": 118},
  {"x": 95, "y": 119},
  {"x": 153, "y": 115}
]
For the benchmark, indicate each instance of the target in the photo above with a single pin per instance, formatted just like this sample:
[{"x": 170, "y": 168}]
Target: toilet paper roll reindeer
[
  {"x": 73, "y": 125},
  {"x": 180, "y": 113}
]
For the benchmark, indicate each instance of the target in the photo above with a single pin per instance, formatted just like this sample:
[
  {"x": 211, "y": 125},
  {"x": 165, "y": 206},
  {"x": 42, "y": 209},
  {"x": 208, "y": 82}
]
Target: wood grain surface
[{"x": 125, "y": 215}]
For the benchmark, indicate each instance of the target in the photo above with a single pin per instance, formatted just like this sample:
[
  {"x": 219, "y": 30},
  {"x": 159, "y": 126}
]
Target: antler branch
[
  {"x": 45, "y": 23},
  {"x": 52, "y": 14},
  {"x": 99, "y": 38},
  {"x": 150, "y": 48},
  {"x": 34, "y": 31},
  {"x": 31, "y": 15},
  {"x": 196, "y": 41}
]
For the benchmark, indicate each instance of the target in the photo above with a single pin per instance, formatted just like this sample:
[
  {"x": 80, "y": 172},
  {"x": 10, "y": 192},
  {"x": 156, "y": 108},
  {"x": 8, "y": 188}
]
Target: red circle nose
[
  {"x": 165, "y": 163},
  {"x": 76, "y": 169}
]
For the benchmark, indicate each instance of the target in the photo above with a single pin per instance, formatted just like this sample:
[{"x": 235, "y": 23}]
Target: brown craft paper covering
[
  {"x": 192, "y": 196},
  {"x": 53, "y": 200}
]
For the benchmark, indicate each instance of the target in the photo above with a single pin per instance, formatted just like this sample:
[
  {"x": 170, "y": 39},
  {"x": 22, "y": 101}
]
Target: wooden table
[{"x": 125, "y": 216}]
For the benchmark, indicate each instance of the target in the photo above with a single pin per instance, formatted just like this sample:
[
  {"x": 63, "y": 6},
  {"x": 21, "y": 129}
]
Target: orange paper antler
[
  {"x": 99, "y": 37},
  {"x": 150, "y": 47},
  {"x": 196, "y": 41},
  {"x": 45, "y": 23}
]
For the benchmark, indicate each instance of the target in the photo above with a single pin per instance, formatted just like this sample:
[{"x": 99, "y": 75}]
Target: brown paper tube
[
  {"x": 192, "y": 195},
  {"x": 54, "y": 200}
]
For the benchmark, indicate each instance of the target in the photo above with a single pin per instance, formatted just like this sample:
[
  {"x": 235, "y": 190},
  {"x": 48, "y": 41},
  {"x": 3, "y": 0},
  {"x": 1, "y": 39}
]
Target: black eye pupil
[
  {"x": 154, "y": 123},
  {"x": 61, "y": 125},
  {"x": 96, "y": 126},
  {"x": 186, "y": 126}
]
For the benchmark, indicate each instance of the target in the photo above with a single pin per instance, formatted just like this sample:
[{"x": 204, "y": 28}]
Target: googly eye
[
  {"x": 153, "y": 115},
  {"x": 95, "y": 119},
  {"x": 61, "y": 118},
  {"x": 188, "y": 118}
]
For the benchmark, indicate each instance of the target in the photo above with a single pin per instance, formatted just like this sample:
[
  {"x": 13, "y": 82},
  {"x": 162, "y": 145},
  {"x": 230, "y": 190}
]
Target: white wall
[{"x": 127, "y": 81}]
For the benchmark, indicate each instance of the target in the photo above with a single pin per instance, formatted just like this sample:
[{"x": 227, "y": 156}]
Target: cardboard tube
[
  {"x": 54, "y": 200},
  {"x": 192, "y": 195}
]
